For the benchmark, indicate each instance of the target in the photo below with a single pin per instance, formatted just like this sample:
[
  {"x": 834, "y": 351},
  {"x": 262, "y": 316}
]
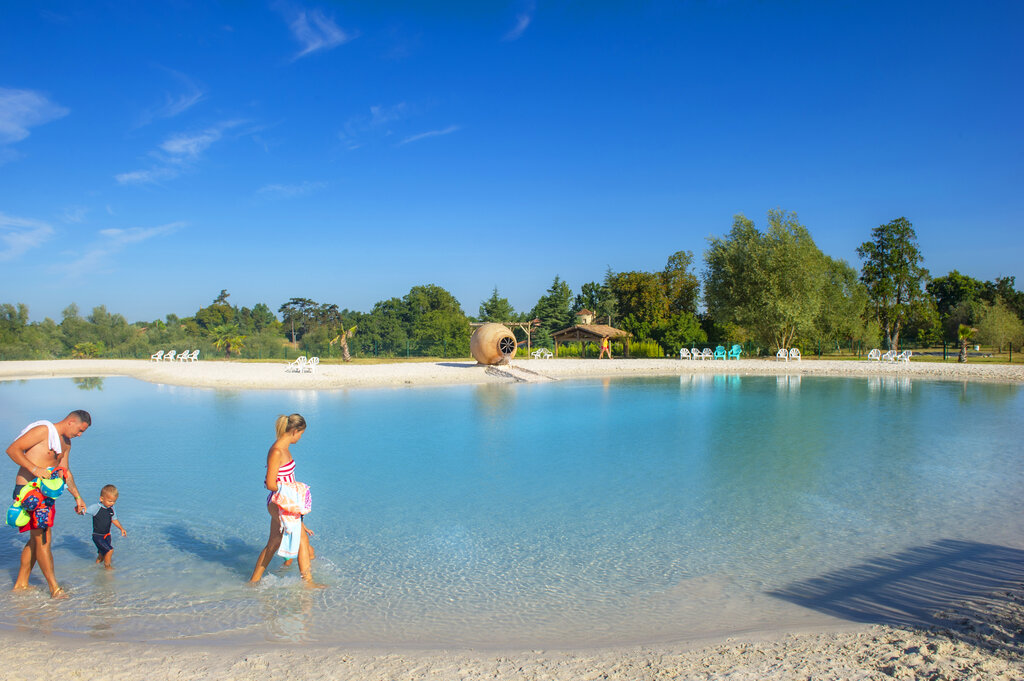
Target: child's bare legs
[
  {"x": 37, "y": 549},
  {"x": 108, "y": 560},
  {"x": 273, "y": 543}
]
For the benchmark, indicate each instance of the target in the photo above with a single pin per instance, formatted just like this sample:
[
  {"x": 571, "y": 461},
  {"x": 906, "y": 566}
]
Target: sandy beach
[
  {"x": 272, "y": 376},
  {"x": 949, "y": 636}
]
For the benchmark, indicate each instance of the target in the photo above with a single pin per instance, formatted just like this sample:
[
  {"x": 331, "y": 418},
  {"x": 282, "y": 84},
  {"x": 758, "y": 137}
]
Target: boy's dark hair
[{"x": 82, "y": 415}]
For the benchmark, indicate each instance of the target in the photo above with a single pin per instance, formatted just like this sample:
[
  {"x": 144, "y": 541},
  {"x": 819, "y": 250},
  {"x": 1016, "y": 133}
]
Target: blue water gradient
[{"x": 614, "y": 511}]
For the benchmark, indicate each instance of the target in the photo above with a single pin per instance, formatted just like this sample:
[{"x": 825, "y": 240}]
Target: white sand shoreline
[
  {"x": 983, "y": 639},
  {"x": 272, "y": 376}
]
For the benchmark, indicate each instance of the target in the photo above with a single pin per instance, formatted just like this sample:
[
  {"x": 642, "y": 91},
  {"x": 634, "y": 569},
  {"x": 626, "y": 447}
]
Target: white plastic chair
[
  {"x": 684, "y": 353},
  {"x": 696, "y": 354},
  {"x": 794, "y": 353},
  {"x": 708, "y": 353},
  {"x": 542, "y": 353},
  {"x": 298, "y": 365},
  {"x": 157, "y": 356},
  {"x": 311, "y": 365},
  {"x": 875, "y": 354},
  {"x": 191, "y": 357},
  {"x": 904, "y": 356},
  {"x": 183, "y": 356},
  {"x": 169, "y": 356},
  {"x": 890, "y": 356},
  {"x": 782, "y": 354}
]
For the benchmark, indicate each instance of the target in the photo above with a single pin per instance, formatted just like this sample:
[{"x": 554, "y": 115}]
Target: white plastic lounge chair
[
  {"x": 708, "y": 353},
  {"x": 684, "y": 353},
  {"x": 169, "y": 356},
  {"x": 183, "y": 356},
  {"x": 875, "y": 354},
  {"x": 794, "y": 353},
  {"x": 298, "y": 365},
  {"x": 782, "y": 354},
  {"x": 189, "y": 357},
  {"x": 311, "y": 365},
  {"x": 904, "y": 356},
  {"x": 542, "y": 353},
  {"x": 890, "y": 356},
  {"x": 157, "y": 356}
]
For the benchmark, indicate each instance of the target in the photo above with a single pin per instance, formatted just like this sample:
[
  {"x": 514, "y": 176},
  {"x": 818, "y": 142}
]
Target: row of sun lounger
[
  {"x": 303, "y": 366},
  {"x": 172, "y": 356},
  {"x": 719, "y": 353}
]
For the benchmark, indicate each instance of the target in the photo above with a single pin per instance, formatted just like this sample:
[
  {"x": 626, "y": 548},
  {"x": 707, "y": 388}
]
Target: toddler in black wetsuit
[{"x": 102, "y": 517}]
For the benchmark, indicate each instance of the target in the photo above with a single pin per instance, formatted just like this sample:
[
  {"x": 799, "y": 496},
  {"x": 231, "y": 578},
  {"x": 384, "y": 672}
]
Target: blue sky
[{"x": 152, "y": 154}]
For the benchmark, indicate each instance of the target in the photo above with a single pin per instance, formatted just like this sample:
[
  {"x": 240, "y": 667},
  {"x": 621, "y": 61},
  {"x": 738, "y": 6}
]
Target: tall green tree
[
  {"x": 553, "y": 309},
  {"x": 297, "y": 314},
  {"x": 999, "y": 326},
  {"x": 642, "y": 302},
  {"x": 843, "y": 306},
  {"x": 682, "y": 286},
  {"x": 769, "y": 283},
  {"x": 894, "y": 276},
  {"x": 496, "y": 309}
]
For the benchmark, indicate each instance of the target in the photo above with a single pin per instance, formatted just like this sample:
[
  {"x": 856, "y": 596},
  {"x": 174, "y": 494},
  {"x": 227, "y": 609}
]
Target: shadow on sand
[
  {"x": 231, "y": 552},
  {"x": 950, "y": 583},
  {"x": 468, "y": 364}
]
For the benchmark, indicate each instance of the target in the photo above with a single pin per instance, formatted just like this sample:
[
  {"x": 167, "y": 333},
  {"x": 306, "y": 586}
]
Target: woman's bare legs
[{"x": 273, "y": 543}]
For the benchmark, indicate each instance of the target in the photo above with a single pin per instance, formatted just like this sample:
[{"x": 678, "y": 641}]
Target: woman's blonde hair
[{"x": 287, "y": 424}]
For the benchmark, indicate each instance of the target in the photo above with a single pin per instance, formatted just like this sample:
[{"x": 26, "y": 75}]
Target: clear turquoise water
[{"x": 595, "y": 512}]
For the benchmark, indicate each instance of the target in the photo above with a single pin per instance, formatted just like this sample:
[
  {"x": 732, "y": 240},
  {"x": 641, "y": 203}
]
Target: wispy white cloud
[
  {"x": 316, "y": 32},
  {"x": 358, "y": 128},
  {"x": 20, "y": 235},
  {"x": 290, "y": 191},
  {"x": 175, "y": 103},
  {"x": 24, "y": 109},
  {"x": 431, "y": 133},
  {"x": 99, "y": 255},
  {"x": 176, "y": 153},
  {"x": 523, "y": 20},
  {"x": 74, "y": 214},
  {"x": 151, "y": 176}
]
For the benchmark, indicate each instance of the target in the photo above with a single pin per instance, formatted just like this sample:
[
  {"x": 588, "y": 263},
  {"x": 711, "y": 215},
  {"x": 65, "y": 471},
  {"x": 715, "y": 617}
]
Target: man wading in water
[{"x": 41, "y": 446}]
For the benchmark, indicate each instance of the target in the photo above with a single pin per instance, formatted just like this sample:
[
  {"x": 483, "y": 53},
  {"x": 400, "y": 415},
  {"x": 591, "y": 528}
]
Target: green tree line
[{"x": 769, "y": 287}]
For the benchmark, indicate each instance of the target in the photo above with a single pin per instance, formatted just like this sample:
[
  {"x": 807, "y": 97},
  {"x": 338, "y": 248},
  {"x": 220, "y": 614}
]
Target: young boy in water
[{"x": 102, "y": 518}]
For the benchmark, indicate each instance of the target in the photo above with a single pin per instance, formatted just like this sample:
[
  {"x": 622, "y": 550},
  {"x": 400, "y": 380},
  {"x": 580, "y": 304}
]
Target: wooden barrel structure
[{"x": 493, "y": 344}]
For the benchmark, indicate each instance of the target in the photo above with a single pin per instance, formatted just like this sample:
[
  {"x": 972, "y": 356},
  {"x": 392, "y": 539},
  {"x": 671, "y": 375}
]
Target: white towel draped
[{"x": 53, "y": 438}]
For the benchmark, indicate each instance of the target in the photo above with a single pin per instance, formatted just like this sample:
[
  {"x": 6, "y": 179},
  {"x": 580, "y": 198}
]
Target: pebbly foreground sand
[{"x": 980, "y": 637}]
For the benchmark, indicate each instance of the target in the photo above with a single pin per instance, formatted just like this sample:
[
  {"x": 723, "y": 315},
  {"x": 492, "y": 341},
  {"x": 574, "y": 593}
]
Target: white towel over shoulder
[{"x": 53, "y": 438}]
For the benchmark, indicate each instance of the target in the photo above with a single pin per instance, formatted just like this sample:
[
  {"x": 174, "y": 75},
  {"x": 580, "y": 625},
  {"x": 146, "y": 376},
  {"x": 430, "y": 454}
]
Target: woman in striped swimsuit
[{"x": 281, "y": 468}]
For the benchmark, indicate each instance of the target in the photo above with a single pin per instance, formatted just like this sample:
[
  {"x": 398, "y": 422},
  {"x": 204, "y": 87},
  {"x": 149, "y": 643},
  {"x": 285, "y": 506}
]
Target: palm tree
[
  {"x": 964, "y": 334},
  {"x": 342, "y": 339},
  {"x": 227, "y": 338}
]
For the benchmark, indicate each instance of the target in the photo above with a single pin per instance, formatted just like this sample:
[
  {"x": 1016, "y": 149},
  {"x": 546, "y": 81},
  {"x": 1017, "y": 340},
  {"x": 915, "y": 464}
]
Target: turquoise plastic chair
[
  {"x": 735, "y": 352},
  {"x": 720, "y": 352}
]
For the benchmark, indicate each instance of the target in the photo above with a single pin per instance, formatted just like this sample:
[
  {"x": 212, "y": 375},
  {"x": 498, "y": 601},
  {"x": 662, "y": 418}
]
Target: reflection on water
[{"x": 89, "y": 382}]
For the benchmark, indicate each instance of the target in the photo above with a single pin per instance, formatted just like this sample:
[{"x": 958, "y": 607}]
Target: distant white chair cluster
[
  {"x": 301, "y": 365},
  {"x": 792, "y": 353},
  {"x": 891, "y": 356},
  {"x": 542, "y": 353},
  {"x": 172, "y": 356},
  {"x": 707, "y": 353}
]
